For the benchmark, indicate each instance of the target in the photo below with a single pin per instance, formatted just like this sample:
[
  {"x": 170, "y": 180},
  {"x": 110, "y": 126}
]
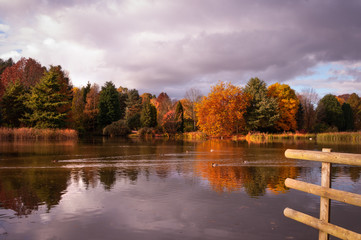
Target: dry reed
[{"x": 37, "y": 134}]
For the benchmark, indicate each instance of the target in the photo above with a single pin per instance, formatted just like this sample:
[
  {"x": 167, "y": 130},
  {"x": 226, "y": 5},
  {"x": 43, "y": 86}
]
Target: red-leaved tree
[{"x": 27, "y": 71}]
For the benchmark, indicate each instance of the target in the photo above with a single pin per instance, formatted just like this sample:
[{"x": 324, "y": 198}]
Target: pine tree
[
  {"x": 66, "y": 89},
  {"x": 123, "y": 97},
  {"x": 12, "y": 104},
  {"x": 148, "y": 116},
  {"x": 46, "y": 102},
  {"x": 263, "y": 112},
  {"x": 109, "y": 108},
  {"x": 133, "y": 103},
  {"x": 179, "y": 116}
]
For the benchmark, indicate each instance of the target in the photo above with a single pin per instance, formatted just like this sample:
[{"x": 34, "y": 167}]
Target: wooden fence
[{"x": 324, "y": 191}]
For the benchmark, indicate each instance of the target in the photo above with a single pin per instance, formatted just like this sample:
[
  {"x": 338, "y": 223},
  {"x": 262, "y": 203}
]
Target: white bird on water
[{"x": 212, "y": 150}]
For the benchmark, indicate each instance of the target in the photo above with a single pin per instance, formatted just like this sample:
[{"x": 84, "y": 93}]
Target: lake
[{"x": 131, "y": 189}]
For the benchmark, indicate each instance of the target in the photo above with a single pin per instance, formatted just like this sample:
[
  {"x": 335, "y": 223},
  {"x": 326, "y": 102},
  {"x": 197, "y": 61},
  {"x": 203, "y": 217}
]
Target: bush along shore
[{"x": 37, "y": 134}]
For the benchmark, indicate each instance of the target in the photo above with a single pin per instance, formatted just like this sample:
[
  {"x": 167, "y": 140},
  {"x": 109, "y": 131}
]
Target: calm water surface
[{"x": 130, "y": 189}]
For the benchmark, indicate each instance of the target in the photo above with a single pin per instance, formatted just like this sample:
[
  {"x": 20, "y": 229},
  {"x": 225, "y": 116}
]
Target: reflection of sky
[
  {"x": 179, "y": 204},
  {"x": 172, "y": 208}
]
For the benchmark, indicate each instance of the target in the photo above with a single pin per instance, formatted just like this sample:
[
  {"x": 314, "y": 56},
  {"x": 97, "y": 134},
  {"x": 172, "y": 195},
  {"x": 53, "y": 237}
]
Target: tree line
[
  {"x": 32, "y": 95},
  {"x": 229, "y": 109}
]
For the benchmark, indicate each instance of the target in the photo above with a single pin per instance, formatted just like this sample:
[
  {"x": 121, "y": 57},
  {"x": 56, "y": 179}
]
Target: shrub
[
  {"x": 118, "y": 128},
  {"x": 146, "y": 132},
  {"x": 320, "y": 128},
  {"x": 188, "y": 125},
  {"x": 134, "y": 122},
  {"x": 159, "y": 130}
]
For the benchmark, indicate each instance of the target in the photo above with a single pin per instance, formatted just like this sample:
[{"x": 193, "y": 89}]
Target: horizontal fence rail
[
  {"x": 321, "y": 225},
  {"x": 330, "y": 157},
  {"x": 324, "y": 191},
  {"x": 338, "y": 195}
]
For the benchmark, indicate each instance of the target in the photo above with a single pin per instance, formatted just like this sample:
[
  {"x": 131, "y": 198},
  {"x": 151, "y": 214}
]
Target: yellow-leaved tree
[
  {"x": 288, "y": 106},
  {"x": 221, "y": 112}
]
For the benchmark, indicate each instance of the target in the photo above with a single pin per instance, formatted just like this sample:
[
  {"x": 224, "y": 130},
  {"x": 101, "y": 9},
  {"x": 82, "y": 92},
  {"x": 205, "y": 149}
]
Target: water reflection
[
  {"x": 229, "y": 168},
  {"x": 29, "y": 178},
  {"x": 23, "y": 191}
]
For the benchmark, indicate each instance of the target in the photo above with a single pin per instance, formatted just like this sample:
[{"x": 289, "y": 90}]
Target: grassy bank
[
  {"x": 37, "y": 134},
  {"x": 339, "y": 137},
  {"x": 332, "y": 137},
  {"x": 266, "y": 137},
  {"x": 151, "y": 134}
]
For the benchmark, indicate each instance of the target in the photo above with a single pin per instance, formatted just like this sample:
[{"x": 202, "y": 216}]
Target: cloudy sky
[{"x": 171, "y": 46}]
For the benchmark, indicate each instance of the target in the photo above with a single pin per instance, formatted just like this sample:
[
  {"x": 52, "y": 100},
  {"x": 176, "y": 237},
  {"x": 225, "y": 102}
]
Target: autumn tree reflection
[{"x": 228, "y": 169}]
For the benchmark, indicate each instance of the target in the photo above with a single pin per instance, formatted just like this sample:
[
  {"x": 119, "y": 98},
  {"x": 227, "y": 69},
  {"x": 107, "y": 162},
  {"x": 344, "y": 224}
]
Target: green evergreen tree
[
  {"x": 13, "y": 104},
  {"x": 134, "y": 122},
  {"x": 179, "y": 116},
  {"x": 148, "y": 116},
  {"x": 123, "y": 97},
  {"x": 66, "y": 90},
  {"x": 348, "y": 116},
  {"x": 329, "y": 112},
  {"x": 47, "y": 101},
  {"x": 133, "y": 103},
  {"x": 109, "y": 109},
  {"x": 263, "y": 110}
]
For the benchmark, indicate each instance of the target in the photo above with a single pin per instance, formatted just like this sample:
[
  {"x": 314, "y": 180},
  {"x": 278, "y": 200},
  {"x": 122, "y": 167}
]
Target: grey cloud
[{"x": 158, "y": 45}]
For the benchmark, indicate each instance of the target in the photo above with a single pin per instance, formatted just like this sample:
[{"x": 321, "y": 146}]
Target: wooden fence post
[
  {"x": 325, "y": 202},
  {"x": 324, "y": 191}
]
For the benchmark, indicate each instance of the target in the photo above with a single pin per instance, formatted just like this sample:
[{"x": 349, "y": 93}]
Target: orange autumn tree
[
  {"x": 288, "y": 106},
  {"x": 221, "y": 112},
  {"x": 91, "y": 109}
]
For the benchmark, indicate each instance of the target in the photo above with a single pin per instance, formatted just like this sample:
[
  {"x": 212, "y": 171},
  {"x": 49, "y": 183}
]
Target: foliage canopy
[
  {"x": 262, "y": 112},
  {"x": 221, "y": 113}
]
